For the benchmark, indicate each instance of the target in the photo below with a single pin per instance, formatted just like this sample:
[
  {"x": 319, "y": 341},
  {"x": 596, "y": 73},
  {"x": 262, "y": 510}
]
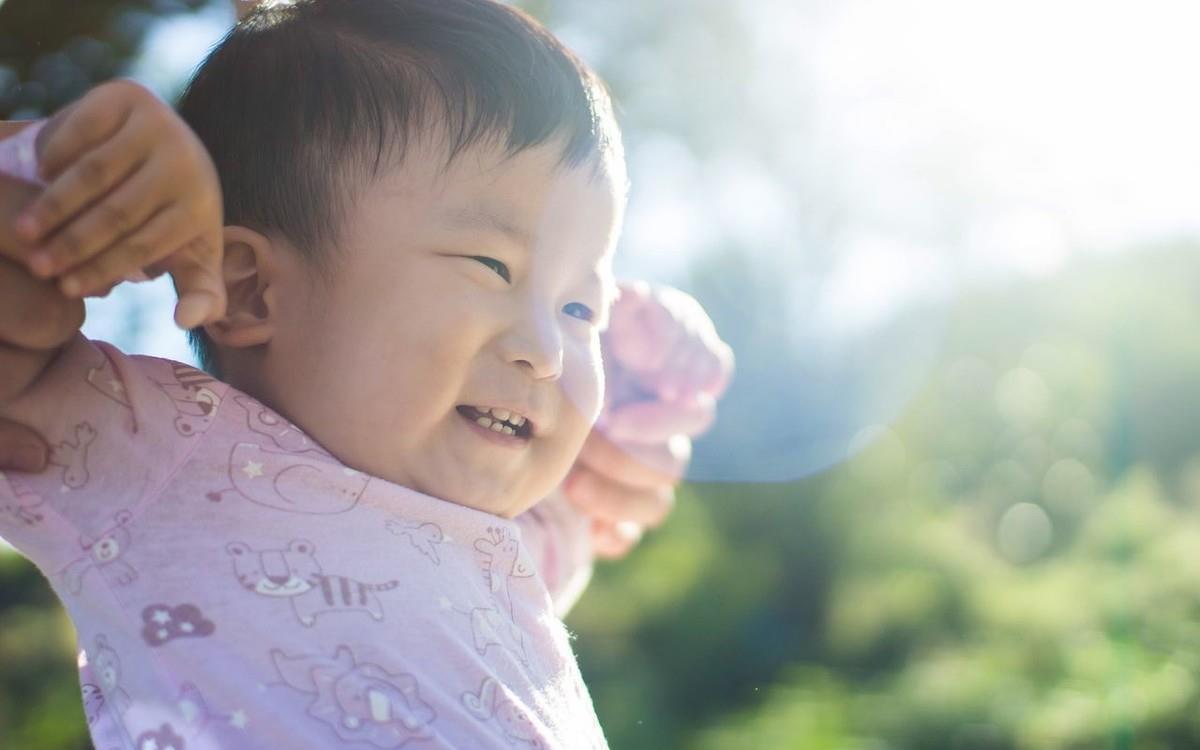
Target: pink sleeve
[
  {"x": 18, "y": 154},
  {"x": 118, "y": 428},
  {"x": 559, "y": 538}
]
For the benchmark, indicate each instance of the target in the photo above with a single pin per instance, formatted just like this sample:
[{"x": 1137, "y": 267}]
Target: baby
[{"x": 422, "y": 199}]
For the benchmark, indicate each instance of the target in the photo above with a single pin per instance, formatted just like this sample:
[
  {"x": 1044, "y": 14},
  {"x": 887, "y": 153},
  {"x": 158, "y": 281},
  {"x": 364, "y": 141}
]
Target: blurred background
[{"x": 952, "y": 499}]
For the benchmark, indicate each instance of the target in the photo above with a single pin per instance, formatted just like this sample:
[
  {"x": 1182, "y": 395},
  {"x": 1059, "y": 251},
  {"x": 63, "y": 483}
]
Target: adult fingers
[
  {"x": 102, "y": 225},
  {"x": 637, "y": 465},
  {"x": 86, "y": 124},
  {"x": 15, "y": 195},
  {"x": 33, "y": 313},
  {"x": 21, "y": 449},
  {"x": 602, "y": 497},
  {"x": 152, "y": 241},
  {"x": 196, "y": 271},
  {"x": 656, "y": 421},
  {"x": 97, "y": 173}
]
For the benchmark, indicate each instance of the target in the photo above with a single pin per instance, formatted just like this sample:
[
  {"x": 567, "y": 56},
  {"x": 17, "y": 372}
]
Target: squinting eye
[
  {"x": 585, "y": 314},
  {"x": 499, "y": 268}
]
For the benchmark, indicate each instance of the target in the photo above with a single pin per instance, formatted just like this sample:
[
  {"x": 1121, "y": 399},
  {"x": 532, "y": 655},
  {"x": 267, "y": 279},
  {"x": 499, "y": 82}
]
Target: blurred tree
[{"x": 52, "y": 52}]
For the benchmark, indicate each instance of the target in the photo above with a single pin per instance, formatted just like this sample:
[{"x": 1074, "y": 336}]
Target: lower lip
[{"x": 499, "y": 438}]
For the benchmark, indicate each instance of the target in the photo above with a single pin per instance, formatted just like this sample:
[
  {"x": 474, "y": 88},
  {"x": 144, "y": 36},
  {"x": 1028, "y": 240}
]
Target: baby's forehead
[{"x": 525, "y": 198}]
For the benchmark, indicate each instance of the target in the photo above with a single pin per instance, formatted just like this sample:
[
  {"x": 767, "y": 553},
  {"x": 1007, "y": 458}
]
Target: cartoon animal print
[
  {"x": 93, "y": 702},
  {"x": 490, "y": 627},
  {"x": 19, "y": 501},
  {"x": 72, "y": 456},
  {"x": 294, "y": 574},
  {"x": 298, "y": 483},
  {"x": 424, "y": 536},
  {"x": 195, "y": 402},
  {"x": 502, "y": 557},
  {"x": 104, "y": 378},
  {"x": 491, "y": 701},
  {"x": 106, "y": 666},
  {"x": 104, "y": 554},
  {"x": 360, "y": 701},
  {"x": 285, "y": 435},
  {"x": 221, "y": 729},
  {"x": 163, "y": 738}
]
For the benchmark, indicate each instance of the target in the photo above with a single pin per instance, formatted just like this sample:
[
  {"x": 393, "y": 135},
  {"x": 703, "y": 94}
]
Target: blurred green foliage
[{"x": 1011, "y": 563}]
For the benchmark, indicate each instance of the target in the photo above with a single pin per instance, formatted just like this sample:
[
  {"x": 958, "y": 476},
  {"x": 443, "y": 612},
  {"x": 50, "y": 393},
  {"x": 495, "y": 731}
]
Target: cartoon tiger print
[{"x": 294, "y": 574}]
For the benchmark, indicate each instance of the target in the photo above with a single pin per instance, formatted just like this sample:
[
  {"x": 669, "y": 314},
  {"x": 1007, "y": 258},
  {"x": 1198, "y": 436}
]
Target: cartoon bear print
[
  {"x": 359, "y": 701},
  {"x": 105, "y": 701},
  {"x": 294, "y": 574},
  {"x": 294, "y": 482},
  {"x": 19, "y": 501},
  {"x": 103, "y": 553},
  {"x": 424, "y": 537},
  {"x": 72, "y": 456},
  {"x": 491, "y": 701},
  {"x": 106, "y": 666}
]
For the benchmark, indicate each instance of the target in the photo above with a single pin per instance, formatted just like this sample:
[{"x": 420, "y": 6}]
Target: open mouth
[{"x": 503, "y": 423}]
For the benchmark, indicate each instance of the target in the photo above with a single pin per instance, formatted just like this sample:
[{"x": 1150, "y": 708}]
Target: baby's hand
[
  {"x": 130, "y": 187},
  {"x": 665, "y": 367}
]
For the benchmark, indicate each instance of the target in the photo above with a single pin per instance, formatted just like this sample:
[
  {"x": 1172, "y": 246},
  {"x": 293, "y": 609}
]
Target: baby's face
[{"x": 389, "y": 361}]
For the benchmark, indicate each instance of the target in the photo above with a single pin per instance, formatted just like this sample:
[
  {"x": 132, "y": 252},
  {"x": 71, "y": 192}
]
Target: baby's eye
[
  {"x": 583, "y": 311},
  {"x": 498, "y": 267}
]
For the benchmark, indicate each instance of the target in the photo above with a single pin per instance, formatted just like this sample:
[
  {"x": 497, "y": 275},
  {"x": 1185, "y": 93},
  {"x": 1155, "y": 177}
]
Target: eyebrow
[{"x": 482, "y": 216}]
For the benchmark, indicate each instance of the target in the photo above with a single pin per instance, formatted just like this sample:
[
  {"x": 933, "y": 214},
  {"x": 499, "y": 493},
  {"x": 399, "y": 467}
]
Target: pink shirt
[{"x": 234, "y": 585}]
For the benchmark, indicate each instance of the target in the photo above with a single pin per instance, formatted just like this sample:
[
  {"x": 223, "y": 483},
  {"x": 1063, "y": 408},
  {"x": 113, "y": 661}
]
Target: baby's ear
[{"x": 248, "y": 272}]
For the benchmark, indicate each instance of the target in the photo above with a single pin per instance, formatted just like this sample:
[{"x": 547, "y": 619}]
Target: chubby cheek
[{"x": 583, "y": 389}]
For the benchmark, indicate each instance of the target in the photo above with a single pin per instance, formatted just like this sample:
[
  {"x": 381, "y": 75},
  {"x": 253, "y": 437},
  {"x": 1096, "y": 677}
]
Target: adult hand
[
  {"x": 34, "y": 318},
  {"x": 665, "y": 368}
]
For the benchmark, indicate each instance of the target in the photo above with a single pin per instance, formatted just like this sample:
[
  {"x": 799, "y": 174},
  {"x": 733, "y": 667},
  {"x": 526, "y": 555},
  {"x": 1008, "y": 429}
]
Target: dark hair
[{"x": 303, "y": 100}]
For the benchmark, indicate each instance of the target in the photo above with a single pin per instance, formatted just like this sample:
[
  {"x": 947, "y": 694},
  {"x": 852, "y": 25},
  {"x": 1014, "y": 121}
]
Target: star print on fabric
[
  {"x": 445, "y": 603},
  {"x": 253, "y": 469},
  {"x": 238, "y": 719},
  {"x": 161, "y": 616}
]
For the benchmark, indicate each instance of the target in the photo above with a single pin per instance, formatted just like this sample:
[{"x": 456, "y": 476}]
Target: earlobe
[{"x": 247, "y": 268}]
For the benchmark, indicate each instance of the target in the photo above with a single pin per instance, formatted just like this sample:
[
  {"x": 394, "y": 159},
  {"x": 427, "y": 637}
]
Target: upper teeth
[{"x": 504, "y": 415}]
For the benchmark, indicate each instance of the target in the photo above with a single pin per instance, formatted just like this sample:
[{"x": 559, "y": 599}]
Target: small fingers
[
  {"x": 116, "y": 215},
  {"x": 637, "y": 465},
  {"x": 152, "y": 241},
  {"x": 601, "y": 497},
  {"x": 655, "y": 422},
  {"x": 95, "y": 174},
  {"x": 612, "y": 541}
]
